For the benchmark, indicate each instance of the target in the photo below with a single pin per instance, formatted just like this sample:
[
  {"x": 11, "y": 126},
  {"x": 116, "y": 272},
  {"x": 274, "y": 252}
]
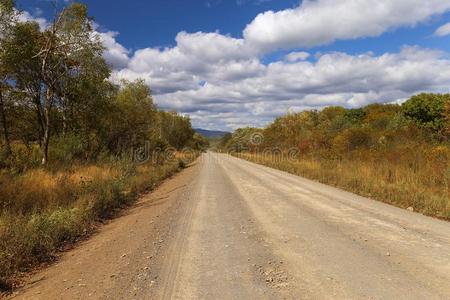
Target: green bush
[
  {"x": 427, "y": 110},
  {"x": 66, "y": 149}
]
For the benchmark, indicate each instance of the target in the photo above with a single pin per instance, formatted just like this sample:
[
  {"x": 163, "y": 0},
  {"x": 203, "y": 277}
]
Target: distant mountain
[{"x": 211, "y": 133}]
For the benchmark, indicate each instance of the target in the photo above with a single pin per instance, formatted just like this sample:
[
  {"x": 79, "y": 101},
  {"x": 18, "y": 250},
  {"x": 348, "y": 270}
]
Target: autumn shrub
[{"x": 352, "y": 139}]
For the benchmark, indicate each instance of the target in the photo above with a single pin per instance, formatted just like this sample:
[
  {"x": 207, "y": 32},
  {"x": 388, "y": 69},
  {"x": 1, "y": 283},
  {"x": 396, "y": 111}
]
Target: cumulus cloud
[
  {"x": 115, "y": 54},
  {"x": 197, "y": 58},
  {"x": 221, "y": 84},
  {"x": 320, "y": 22},
  {"x": 444, "y": 30},
  {"x": 229, "y": 101}
]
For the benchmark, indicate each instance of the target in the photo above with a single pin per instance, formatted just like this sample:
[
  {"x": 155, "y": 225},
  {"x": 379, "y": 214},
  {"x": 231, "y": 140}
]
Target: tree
[
  {"x": 175, "y": 129},
  {"x": 225, "y": 140},
  {"x": 133, "y": 116},
  {"x": 23, "y": 67},
  {"x": 199, "y": 142},
  {"x": 7, "y": 19},
  {"x": 64, "y": 45},
  {"x": 427, "y": 110},
  {"x": 54, "y": 90}
]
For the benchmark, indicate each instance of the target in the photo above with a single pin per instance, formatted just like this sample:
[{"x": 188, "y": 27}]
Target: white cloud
[
  {"x": 115, "y": 54},
  {"x": 25, "y": 16},
  {"x": 296, "y": 56},
  {"x": 444, "y": 30},
  {"x": 212, "y": 46},
  {"x": 232, "y": 88},
  {"x": 319, "y": 22},
  {"x": 334, "y": 79},
  {"x": 197, "y": 58}
]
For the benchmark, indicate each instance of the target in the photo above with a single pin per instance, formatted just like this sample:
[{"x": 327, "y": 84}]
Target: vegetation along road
[{"x": 226, "y": 228}]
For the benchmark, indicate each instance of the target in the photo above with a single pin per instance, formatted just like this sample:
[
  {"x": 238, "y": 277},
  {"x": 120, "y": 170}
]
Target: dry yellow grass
[{"x": 93, "y": 172}]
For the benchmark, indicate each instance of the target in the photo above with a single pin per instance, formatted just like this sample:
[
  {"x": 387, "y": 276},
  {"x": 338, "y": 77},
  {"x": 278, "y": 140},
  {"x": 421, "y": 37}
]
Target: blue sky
[
  {"x": 227, "y": 63},
  {"x": 156, "y": 22}
]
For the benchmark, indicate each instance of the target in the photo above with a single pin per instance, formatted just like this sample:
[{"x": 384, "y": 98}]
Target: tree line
[
  {"x": 336, "y": 132},
  {"x": 56, "y": 99}
]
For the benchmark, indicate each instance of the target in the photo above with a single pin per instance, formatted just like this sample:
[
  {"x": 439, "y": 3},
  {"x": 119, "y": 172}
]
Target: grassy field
[
  {"x": 423, "y": 185},
  {"x": 44, "y": 210}
]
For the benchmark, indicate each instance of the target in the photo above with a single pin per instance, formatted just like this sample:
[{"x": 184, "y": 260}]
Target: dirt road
[{"x": 229, "y": 229}]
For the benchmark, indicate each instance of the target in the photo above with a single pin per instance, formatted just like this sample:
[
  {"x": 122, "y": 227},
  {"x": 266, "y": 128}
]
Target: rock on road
[{"x": 229, "y": 229}]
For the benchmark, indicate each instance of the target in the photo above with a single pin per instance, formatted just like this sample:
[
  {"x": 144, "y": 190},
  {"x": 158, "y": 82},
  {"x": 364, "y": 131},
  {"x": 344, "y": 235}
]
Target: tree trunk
[
  {"x": 39, "y": 117},
  {"x": 65, "y": 112},
  {"x": 4, "y": 124},
  {"x": 64, "y": 119},
  {"x": 46, "y": 123}
]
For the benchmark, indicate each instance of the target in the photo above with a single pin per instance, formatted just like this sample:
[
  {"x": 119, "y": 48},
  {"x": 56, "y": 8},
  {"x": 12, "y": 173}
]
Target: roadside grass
[
  {"x": 423, "y": 185},
  {"x": 41, "y": 211}
]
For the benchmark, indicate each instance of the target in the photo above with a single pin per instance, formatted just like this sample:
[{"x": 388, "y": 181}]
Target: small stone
[
  {"x": 410, "y": 209},
  {"x": 388, "y": 254},
  {"x": 124, "y": 255}
]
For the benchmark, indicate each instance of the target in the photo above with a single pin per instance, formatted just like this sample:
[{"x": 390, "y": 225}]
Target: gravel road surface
[{"x": 225, "y": 228}]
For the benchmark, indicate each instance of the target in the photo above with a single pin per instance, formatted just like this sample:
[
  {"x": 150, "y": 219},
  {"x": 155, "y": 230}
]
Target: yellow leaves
[{"x": 351, "y": 139}]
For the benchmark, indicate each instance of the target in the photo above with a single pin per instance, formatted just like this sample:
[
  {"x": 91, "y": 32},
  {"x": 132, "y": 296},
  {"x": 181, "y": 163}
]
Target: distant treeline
[
  {"x": 56, "y": 102},
  {"x": 337, "y": 132}
]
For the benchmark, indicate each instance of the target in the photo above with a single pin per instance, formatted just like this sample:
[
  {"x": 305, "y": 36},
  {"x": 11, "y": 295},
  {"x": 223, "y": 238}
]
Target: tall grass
[
  {"x": 422, "y": 183},
  {"x": 43, "y": 210}
]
